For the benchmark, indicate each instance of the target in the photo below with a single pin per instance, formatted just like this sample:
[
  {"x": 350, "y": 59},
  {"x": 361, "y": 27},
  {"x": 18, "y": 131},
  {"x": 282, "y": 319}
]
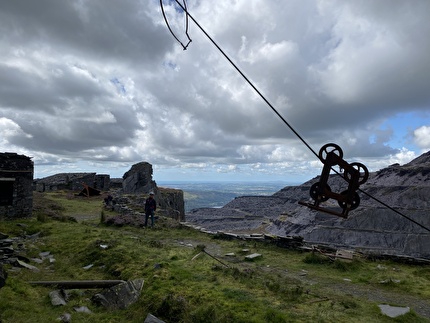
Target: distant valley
[{"x": 217, "y": 194}]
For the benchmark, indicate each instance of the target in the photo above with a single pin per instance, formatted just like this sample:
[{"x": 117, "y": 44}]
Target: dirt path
[{"x": 418, "y": 305}]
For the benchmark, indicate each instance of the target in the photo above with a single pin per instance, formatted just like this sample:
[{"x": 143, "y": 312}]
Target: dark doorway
[{"x": 6, "y": 192}]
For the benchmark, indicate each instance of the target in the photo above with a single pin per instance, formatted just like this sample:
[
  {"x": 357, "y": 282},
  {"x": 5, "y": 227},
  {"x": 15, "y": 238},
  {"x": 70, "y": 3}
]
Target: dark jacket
[{"x": 150, "y": 205}]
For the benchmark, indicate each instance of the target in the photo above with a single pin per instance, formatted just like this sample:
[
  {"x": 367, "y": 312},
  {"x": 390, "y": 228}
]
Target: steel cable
[{"x": 274, "y": 110}]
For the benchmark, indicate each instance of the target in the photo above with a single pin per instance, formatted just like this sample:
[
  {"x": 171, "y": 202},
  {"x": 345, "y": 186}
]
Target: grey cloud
[
  {"x": 99, "y": 30},
  {"x": 105, "y": 80}
]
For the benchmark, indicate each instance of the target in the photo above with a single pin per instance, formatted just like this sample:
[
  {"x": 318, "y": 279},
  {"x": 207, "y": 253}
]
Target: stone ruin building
[
  {"x": 16, "y": 186},
  {"x": 73, "y": 181}
]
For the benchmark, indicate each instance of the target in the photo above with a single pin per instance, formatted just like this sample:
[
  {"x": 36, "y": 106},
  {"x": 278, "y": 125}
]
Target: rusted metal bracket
[
  {"x": 355, "y": 174},
  {"x": 88, "y": 191}
]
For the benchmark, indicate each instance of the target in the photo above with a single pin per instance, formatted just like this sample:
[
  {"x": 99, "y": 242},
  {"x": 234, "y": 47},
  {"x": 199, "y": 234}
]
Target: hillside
[
  {"x": 187, "y": 276},
  {"x": 371, "y": 228}
]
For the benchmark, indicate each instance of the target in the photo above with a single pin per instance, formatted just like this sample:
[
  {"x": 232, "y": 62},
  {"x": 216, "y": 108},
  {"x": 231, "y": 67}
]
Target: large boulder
[{"x": 138, "y": 180}]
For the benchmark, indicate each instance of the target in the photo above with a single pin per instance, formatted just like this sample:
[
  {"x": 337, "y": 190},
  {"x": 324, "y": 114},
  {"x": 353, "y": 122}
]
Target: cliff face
[
  {"x": 372, "y": 227},
  {"x": 171, "y": 201},
  {"x": 138, "y": 180}
]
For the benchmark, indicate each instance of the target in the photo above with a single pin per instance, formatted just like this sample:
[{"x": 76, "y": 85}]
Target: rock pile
[{"x": 11, "y": 250}]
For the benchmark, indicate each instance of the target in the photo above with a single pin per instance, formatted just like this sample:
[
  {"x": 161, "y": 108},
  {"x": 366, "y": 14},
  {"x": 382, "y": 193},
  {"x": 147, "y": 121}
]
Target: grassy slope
[{"x": 281, "y": 286}]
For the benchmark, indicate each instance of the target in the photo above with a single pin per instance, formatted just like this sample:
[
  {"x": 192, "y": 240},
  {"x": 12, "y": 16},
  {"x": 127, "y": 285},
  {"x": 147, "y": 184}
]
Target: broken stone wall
[
  {"x": 66, "y": 181},
  {"x": 102, "y": 182},
  {"x": 16, "y": 186}
]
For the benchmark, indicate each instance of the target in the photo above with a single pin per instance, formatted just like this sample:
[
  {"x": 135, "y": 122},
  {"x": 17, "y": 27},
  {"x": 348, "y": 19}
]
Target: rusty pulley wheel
[
  {"x": 353, "y": 204},
  {"x": 315, "y": 192},
  {"x": 330, "y": 148},
  {"x": 362, "y": 170}
]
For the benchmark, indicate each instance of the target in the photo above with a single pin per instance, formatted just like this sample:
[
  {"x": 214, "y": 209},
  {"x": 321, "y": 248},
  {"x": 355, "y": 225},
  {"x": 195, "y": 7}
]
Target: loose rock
[
  {"x": 393, "y": 311},
  {"x": 119, "y": 296}
]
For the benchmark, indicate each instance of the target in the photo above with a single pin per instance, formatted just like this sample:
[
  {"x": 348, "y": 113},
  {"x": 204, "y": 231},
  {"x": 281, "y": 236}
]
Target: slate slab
[
  {"x": 119, "y": 296},
  {"x": 152, "y": 319},
  {"x": 393, "y": 311},
  {"x": 57, "y": 298},
  {"x": 253, "y": 256},
  {"x": 19, "y": 263}
]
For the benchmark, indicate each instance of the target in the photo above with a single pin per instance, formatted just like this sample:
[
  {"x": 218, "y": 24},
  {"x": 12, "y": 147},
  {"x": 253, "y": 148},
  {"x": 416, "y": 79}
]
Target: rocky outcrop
[
  {"x": 138, "y": 180},
  {"x": 371, "y": 228},
  {"x": 171, "y": 203}
]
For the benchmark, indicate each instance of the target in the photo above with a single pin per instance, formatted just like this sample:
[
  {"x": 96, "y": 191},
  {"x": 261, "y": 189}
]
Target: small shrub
[
  {"x": 155, "y": 244},
  {"x": 315, "y": 258},
  {"x": 349, "y": 304},
  {"x": 173, "y": 308},
  {"x": 209, "y": 313},
  {"x": 343, "y": 265},
  {"x": 42, "y": 217},
  {"x": 273, "y": 286},
  {"x": 102, "y": 216},
  {"x": 274, "y": 316},
  {"x": 200, "y": 248},
  {"x": 295, "y": 292}
]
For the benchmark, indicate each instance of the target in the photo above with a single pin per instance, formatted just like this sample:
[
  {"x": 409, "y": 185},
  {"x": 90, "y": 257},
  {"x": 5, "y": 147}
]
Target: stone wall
[
  {"x": 102, "y": 182},
  {"x": 72, "y": 181},
  {"x": 16, "y": 186}
]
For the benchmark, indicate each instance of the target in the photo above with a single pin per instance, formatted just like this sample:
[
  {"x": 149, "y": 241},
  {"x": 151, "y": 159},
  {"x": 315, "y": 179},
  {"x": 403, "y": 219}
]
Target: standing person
[{"x": 150, "y": 207}]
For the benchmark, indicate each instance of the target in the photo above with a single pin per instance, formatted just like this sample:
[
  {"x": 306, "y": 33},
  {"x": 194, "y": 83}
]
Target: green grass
[{"x": 281, "y": 286}]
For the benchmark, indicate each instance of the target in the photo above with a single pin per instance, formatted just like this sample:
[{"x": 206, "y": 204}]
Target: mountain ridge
[{"x": 372, "y": 227}]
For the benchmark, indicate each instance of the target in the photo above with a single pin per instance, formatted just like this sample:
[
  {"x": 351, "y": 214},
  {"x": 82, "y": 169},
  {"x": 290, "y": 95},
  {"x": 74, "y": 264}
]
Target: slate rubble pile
[{"x": 12, "y": 251}]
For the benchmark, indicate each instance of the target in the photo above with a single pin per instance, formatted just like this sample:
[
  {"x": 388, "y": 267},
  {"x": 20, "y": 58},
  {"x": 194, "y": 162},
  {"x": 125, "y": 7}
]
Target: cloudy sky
[{"x": 99, "y": 85}]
